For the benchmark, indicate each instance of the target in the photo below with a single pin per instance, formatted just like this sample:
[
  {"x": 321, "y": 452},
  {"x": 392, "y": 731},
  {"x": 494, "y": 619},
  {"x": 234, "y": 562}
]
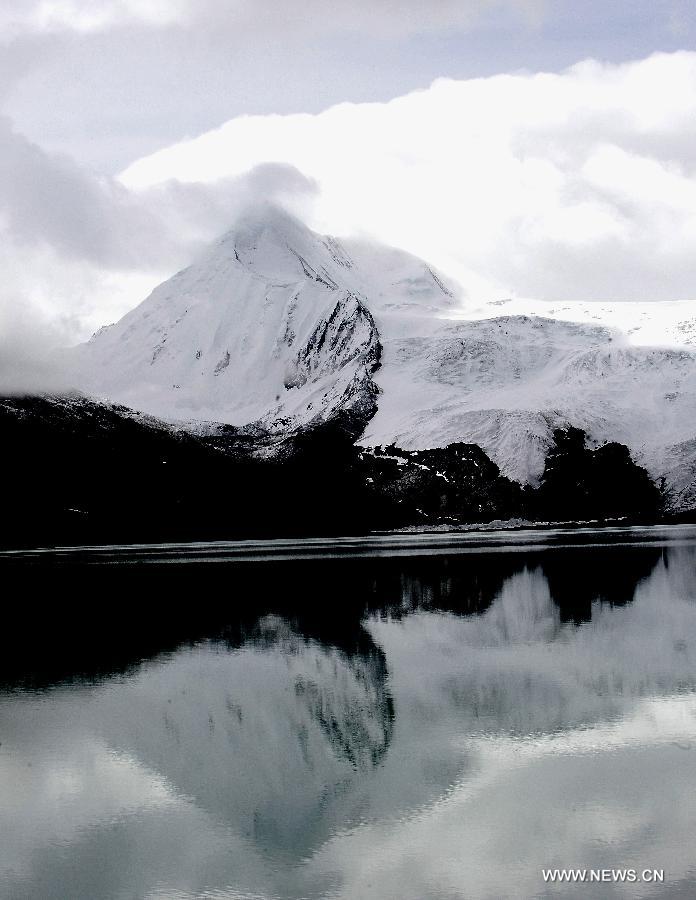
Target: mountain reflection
[
  {"x": 579, "y": 578},
  {"x": 263, "y": 736},
  {"x": 81, "y": 622},
  {"x": 345, "y": 694},
  {"x": 519, "y": 668},
  {"x": 287, "y": 703}
]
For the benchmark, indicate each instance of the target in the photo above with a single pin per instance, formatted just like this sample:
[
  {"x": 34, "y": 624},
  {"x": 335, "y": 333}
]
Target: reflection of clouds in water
[
  {"x": 118, "y": 832},
  {"x": 519, "y": 741},
  {"x": 521, "y": 811},
  {"x": 621, "y": 792},
  {"x": 80, "y": 775}
]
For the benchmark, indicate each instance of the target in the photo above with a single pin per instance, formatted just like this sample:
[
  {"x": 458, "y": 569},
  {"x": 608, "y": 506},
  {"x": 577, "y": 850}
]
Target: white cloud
[
  {"x": 392, "y": 17},
  {"x": 77, "y": 250},
  {"x": 579, "y": 185},
  {"x": 48, "y": 200},
  {"x": 85, "y": 16}
]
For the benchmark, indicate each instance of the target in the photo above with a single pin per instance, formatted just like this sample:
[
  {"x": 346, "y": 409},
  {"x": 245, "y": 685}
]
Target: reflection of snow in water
[
  {"x": 516, "y": 668},
  {"x": 265, "y": 739},
  {"x": 603, "y": 775},
  {"x": 518, "y": 741}
]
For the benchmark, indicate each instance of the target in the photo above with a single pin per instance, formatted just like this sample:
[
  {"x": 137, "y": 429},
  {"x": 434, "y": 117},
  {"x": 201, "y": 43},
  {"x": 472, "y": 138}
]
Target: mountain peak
[
  {"x": 270, "y": 242},
  {"x": 274, "y": 324},
  {"x": 267, "y": 216},
  {"x": 266, "y": 327}
]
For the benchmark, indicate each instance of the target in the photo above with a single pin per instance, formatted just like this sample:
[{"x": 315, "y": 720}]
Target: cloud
[
  {"x": 85, "y": 16},
  {"x": 578, "y": 185},
  {"x": 313, "y": 16},
  {"x": 77, "y": 250},
  {"x": 111, "y": 81},
  {"x": 48, "y": 200}
]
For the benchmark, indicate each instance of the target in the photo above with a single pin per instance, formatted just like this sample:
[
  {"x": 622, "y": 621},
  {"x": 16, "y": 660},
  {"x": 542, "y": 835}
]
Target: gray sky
[{"x": 580, "y": 184}]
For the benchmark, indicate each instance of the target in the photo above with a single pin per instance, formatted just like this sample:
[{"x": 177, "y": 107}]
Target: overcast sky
[
  {"x": 110, "y": 80},
  {"x": 577, "y": 184}
]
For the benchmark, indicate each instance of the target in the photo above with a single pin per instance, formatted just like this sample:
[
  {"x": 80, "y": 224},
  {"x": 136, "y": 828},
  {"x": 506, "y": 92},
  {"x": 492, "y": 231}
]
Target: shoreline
[{"x": 495, "y": 537}]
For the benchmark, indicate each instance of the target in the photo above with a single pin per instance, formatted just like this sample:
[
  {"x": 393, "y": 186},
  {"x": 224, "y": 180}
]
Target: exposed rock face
[
  {"x": 453, "y": 484},
  {"x": 678, "y": 475},
  {"x": 333, "y": 367}
]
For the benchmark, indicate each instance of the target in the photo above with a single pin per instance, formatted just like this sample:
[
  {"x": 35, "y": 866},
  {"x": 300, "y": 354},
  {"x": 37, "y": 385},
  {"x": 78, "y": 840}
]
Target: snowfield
[{"x": 281, "y": 327}]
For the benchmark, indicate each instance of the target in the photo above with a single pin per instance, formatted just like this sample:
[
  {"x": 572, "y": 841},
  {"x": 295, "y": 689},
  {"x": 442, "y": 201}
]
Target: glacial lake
[{"x": 407, "y": 716}]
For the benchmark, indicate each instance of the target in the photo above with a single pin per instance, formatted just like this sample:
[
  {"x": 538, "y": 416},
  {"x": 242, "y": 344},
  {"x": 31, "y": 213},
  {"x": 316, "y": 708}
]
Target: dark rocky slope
[{"x": 77, "y": 471}]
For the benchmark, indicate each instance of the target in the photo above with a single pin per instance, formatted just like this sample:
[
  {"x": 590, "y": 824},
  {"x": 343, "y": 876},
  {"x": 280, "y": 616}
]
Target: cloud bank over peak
[
  {"x": 78, "y": 250},
  {"x": 572, "y": 186},
  {"x": 578, "y": 185}
]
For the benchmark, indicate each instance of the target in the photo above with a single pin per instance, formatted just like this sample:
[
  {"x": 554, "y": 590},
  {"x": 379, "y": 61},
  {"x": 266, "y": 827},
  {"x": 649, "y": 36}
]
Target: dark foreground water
[{"x": 411, "y": 718}]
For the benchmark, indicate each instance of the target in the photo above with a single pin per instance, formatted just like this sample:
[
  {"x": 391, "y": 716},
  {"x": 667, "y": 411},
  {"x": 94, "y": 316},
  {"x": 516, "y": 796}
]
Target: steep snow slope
[
  {"x": 271, "y": 326},
  {"x": 280, "y": 327}
]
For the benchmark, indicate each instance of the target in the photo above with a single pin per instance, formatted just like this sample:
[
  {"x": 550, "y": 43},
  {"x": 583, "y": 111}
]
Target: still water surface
[{"x": 231, "y": 721}]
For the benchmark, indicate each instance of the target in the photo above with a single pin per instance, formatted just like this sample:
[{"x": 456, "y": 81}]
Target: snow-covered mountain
[
  {"x": 506, "y": 383},
  {"x": 279, "y": 327},
  {"x": 272, "y": 326}
]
